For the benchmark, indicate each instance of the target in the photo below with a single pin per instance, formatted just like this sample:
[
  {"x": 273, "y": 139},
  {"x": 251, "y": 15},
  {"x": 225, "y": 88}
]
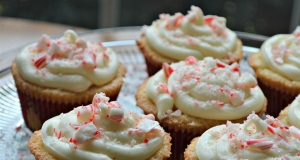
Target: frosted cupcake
[
  {"x": 101, "y": 130},
  {"x": 173, "y": 38},
  {"x": 277, "y": 68},
  {"x": 56, "y": 75},
  {"x": 290, "y": 115},
  {"x": 192, "y": 96},
  {"x": 254, "y": 139}
]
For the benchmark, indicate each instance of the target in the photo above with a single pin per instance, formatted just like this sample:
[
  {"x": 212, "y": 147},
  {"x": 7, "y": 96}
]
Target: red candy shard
[
  {"x": 146, "y": 140},
  {"x": 260, "y": 143},
  {"x": 235, "y": 69},
  {"x": 220, "y": 64},
  {"x": 40, "y": 62},
  {"x": 167, "y": 69},
  {"x": 209, "y": 19},
  {"x": 270, "y": 129},
  {"x": 163, "y": 88},
  {"x": 191, "y": 60}
]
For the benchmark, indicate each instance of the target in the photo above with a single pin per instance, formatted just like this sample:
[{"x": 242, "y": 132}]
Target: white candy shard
[{"x": 146, "y": 125}]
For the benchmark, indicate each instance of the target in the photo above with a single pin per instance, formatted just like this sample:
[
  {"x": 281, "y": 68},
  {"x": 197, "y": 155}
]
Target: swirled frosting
[
  {"x": 70, "y": 63},
  {"x": 207, "y": 89},
  {"x": 179, "y": 36},
  {"x": 254, "y": 139},
  {"x": 102, "y": 130},
  {"x": 281, "y": 53},
  {"x": 293, "y": 115}
]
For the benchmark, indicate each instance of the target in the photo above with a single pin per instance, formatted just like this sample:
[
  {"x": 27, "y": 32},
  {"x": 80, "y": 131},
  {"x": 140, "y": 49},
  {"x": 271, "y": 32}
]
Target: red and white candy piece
[
  {"x": 220, "y": 64},
  {"x": 235, "y": 98},
  {"x": 114, "y": 104},
  {"x": 167, "y": 69},
  {"x": 162, "y": 88},
  {"x": 89, "y": 60},
  {"x": 191, "y": 41},
  {"x": 81, "y": 43},
  {"x": 260, "y": 143},
  {"x": 208, "y": 20},
  {"x": 116, "y": 114},
  {"x": 191, "y": 60},
  {"x": 146, "y": 125},
  {"x": 84, "y": 133},
  {"x": 235, "y": 67},
  {"x": 40, "y": 62},
  {"x": 44, "y": 43},
  {"x": 295, "y": 132},
  {"x": 85, "y": 113}
]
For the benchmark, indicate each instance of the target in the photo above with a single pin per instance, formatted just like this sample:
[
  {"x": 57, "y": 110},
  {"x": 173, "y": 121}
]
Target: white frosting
[
  {"x": 207, "y": 89},
  {"x": 102, "y": 130},
  {"x": 68, "y": 63},
  {"x": 254, "y": 139},
  {"x": 179, "y": 36},
  {"x": 281, "y": 53},
  {"x": 294, "y": 112}
]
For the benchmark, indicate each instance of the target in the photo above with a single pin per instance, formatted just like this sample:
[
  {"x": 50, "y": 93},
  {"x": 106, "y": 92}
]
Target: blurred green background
[{"x": 265, "y": 17}]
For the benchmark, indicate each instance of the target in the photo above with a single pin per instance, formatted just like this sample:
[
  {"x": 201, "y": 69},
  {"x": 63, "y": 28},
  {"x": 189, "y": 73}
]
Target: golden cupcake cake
[
  {"x": 56, "y": 75},
  {"x": 192, "y": 96},
  {"x": 277, "y": 68},
  {"x": 254, "y": 139},
  {"x": 172, "y": 38},
  {"x": 290, "y": 115},
  {"x": 103, "y": 131}
]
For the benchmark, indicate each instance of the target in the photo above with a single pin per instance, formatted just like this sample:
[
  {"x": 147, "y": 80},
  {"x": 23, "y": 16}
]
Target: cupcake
[
  {"x": 101, "y": 130},
  {"x": 192, "y": 96},
  {"x": 254, "y": 139},
  {"x": 277, "y": 67},
  {"x": 290, "y": 115},
  {"x": 56, "y": 75},
  {"x": 173, "y": 38}
]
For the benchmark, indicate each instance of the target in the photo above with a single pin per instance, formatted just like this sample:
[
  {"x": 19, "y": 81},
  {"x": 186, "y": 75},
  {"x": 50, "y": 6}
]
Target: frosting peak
[
  {"x": 70, "y": 63},
  {"x": 254, "y": 139},
  {"x": 206, "y": 89},
  {"x": 178, "y": 36},
  {"x": 102, "y": 130}
]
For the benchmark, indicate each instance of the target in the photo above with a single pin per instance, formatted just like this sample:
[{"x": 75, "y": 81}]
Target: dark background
[{"x": 265, "y": 17}]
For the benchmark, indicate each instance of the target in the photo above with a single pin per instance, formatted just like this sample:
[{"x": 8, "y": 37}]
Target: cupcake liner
[
  {"x": 36, "y": 111},
  {"x": 277, "y": 100},
  {"x": 40, "y": 103},
  {"x": 153, "y": 60},
  {"x": 179, "y": 141}
]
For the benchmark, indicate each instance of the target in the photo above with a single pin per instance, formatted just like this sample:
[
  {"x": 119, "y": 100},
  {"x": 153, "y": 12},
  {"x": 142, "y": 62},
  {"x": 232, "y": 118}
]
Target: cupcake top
[
  {"x": 281, "y": 54},
  {"x": 179, "y": 36},
  {"x": 102, "y": 130},
  {"x": 207, "y": 89},
  {"x": 69, "y": 63},
  {"x": 254, "y": 139},
  {"x": 293, "y": 115}
]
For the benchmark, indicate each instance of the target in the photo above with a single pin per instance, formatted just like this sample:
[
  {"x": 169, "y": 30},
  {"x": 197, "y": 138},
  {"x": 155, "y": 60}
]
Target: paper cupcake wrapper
[
  {"x": 277, "y": 100},
  {"x": 36, "y": 110},
  {"x": 40, "y": 103},
  {"x": 179, "y": 141}
]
